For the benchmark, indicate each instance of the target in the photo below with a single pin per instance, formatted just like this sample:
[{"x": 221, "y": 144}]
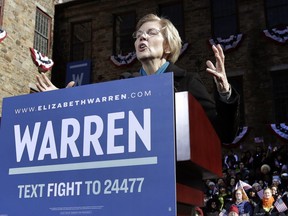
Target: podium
[
  {"x": 107, "y": 150},
  {"x": 198, "y": 152}
]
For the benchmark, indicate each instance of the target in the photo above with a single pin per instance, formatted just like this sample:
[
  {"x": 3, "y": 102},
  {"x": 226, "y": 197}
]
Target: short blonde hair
[{"x": 169, "y": 32}]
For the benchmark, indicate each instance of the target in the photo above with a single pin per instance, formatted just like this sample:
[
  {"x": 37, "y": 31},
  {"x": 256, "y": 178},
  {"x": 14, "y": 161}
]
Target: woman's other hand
[{"x": 44, "y": 84}]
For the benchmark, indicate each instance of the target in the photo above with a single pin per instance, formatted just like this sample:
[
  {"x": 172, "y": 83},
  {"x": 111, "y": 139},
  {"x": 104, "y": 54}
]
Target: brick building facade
[{"x": 95, "y": 30}]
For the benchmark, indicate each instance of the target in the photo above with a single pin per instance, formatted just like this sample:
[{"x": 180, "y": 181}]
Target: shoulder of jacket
[{"x": 178, "y": 72}]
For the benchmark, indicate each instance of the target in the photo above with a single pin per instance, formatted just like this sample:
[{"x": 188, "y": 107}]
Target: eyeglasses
[{"x": 150, "y": 32}]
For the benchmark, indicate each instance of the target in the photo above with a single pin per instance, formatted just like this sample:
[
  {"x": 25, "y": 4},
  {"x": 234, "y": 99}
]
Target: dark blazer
[{"x": 224, "y": 116}]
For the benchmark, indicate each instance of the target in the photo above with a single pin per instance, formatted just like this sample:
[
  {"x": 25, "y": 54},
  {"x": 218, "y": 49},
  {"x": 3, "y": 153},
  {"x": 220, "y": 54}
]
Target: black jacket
[{"x": 224, "y": 116}]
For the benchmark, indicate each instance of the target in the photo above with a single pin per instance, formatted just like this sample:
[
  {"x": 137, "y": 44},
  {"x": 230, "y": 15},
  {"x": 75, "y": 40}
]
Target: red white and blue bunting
[
  {"x": 279, "y": 35},
  {"x": 120, "y": 60},
  {"x": 41, "y": 61},
  {"x": 239, "y": 137},
  {"x": 280, "y": 130},
  {"x": 227, "y": 43},
  {"x": 3, "y": 35},
  {"x": 184, "y": 48}
]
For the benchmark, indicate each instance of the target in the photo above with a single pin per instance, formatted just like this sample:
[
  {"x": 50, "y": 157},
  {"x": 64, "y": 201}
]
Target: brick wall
[{"x": 17, "y": 67}]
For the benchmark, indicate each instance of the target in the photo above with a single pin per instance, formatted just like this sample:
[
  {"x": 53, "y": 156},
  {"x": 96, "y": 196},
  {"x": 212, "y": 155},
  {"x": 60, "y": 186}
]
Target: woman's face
[
  {"x": 238, "y": 195},
  {"x": 149, "y": 47},
  {"x": 267, "y": 193},
  {"x": 274, "y": 190}
]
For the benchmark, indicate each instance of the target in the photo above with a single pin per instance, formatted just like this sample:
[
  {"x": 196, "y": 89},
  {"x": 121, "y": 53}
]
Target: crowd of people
[{"x": 253, "y": 183}]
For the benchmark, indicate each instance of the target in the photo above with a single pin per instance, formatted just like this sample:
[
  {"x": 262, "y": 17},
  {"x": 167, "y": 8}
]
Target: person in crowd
[
  {"x": 262, "y": 183},
  {"x": 243, "y": 171},
  {"x": 276, "y": 183},
  {"x": 230, "y": 159},
  {"x": 213, "y": 207},
  {"x": 275, "y": 192},
  {"x": 241, "y": 200},
  {"x": 233, "y": 211},
  {"x": 224, "y": 197},
  {"x": 284, "y": 181},
  {"x": 212, "y": 189},
  {"x": 225, "y": 175},
  {"x": 266, "y": 175},
  {"x": 278, "y": 161},
  {"x": 266, "y": 205},
  {"x": 158, "y": 46},
  {"x": 256, "y": 186},
  {"x": 254, "y": 199},
  {"x": 231, "y": 185},
  {"x": 221, "y": 183},
  {"x": 247, "y": 159}
]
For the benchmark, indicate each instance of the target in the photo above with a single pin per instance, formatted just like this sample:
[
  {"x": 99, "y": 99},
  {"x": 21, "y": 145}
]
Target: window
[
  {"x": 1, "y": 11},
  {"x": 81, "y": 43},
  {"x": 124, "y": 26},
  {"x": 276, "y": 13},
  {"x": 280, "y": 93},
  {"x": 42, "y": 32},
  {"x": 224, "y": 18},
  {"x": 237, "y": 83},
  {"x": 174, "y": 12}
]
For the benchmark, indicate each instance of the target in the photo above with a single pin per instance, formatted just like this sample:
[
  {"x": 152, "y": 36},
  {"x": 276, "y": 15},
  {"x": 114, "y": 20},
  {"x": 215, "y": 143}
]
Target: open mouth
[{"x": 142, "y": 47}]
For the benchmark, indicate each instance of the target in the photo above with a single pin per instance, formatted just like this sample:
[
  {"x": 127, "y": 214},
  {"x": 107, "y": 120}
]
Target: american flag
[
  {"x": 280, "y": 205},
  {"x": 260, "y": 193},
  {"x": 243, "y": 185}
]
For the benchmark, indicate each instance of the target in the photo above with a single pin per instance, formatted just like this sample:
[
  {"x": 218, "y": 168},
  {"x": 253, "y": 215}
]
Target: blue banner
[
  {"x": 101, "y": 149},
  {"x": 79, "y": 72}
]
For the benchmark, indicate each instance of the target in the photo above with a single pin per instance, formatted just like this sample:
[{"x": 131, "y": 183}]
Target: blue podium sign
[{"x": 101, "y": 149}]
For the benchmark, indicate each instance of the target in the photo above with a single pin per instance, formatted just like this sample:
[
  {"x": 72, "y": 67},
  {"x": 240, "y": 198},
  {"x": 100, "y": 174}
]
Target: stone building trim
[{"x": 278, "y": 67}]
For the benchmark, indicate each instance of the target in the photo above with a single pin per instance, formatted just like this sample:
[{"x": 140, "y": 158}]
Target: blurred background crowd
[{"x": 254, "y": 182}]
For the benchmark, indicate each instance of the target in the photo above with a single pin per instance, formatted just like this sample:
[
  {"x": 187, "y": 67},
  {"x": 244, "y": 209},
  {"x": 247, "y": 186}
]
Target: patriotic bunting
[
  {"x": 279, "y": 35},
  {"x": 240, "y": 135},
  {"x": 227, "y": 43},
  {"x": 280, "y": 130},
  {"x": 120, "y": 60},
  {"x": 184, "y": 48},
  {"x": 3, "y": 35},
  {"x": 43, "y": 62}
]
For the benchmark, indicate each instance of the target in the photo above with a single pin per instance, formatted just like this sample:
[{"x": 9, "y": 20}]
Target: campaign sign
[
  {"x": 101, "y": 149},
  {"x": 79, "y": 72}
]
